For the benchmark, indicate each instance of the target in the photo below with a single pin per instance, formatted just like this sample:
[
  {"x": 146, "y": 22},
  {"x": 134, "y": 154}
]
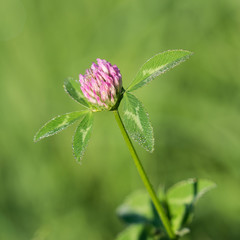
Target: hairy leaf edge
[
  {"x": 151, "y": 127},
  {"x": 166, "y": 70},
  {"x": 78, "y": 159},
  {"x": 48, "y": 135}
]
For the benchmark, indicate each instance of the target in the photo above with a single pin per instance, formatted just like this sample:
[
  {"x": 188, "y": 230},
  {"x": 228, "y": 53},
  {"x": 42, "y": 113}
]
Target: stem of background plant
[{"x": 144, "y": 177}]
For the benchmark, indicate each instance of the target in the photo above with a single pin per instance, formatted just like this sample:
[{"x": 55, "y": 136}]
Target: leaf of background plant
[
  {"x": 133, "y": 218},
  {"x": 82, "y": 136},
  {"x": 162, "y": 198},
  {"x": 183, "y": 232},
  {"x": 157, "y": 65},
  {"x": 137, "y": 203},
  {"x": 136, "y": 121},
  {"x": 177, "y": 214},
  {"x": 57, "y": 124},
  {"x": 72, "y": 87},
  {"x": 182, "y": 198},
  {"x": 130, "y": 233},
  {"x": 189, "y": 190}
]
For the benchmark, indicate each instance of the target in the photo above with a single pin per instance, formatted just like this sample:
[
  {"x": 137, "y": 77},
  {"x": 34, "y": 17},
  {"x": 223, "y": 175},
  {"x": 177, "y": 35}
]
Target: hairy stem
[{"x": 144, "y": 177}]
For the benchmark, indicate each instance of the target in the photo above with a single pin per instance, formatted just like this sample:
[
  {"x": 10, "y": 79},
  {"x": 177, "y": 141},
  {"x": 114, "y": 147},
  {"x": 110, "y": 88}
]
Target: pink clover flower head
[{"x": 102, "y": 84}]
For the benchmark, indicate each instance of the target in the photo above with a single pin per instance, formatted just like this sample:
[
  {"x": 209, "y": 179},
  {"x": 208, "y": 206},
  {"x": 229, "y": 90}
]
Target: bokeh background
[{"x": 194, "y": 109}]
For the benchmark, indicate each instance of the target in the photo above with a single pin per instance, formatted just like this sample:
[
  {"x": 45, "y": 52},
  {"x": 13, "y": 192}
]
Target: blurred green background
[{"x": 194, "y": 109}]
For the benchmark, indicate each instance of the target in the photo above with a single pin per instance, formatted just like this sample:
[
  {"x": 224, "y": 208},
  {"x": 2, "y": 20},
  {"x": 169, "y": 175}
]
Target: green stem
[{"x": 144, "y": 177}]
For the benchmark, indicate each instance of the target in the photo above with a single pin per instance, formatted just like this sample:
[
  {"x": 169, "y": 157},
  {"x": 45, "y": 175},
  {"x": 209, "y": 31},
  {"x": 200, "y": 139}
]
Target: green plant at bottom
[{"x": 179, "y": 203}]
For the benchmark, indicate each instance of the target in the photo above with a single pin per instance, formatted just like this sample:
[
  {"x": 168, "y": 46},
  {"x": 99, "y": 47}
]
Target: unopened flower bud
[{"x": 102, "y": 84}]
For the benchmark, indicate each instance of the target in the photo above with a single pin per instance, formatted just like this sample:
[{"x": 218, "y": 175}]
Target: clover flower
[{"x": 102, "y": 84}]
